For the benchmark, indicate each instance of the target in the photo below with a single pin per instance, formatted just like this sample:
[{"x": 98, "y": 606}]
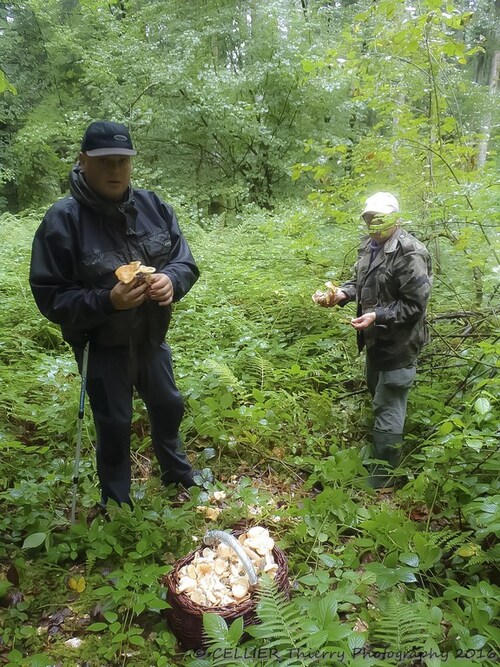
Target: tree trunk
[
  {"x": 493, "y": 89},
  {"x": 486, "y": 129}
]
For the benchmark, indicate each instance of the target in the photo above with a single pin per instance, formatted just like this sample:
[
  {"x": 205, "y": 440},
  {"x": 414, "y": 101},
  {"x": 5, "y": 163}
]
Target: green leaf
[
  {"x": 445, "y": 428},
  {"x": 487, "y": 590},
  {"x": 4, "y": 587},
  {"x": 102, "y": 591},
  {"x": 215, "y": 627},
  {"x": 136, "y": 640},
  {"x": 15, "y": 655},
  {"x": 482, "y": 406},
  {"x": 328, "y": 560},
  {"x": 410, "y": 559},
  {"x": 97, "y": 627},
  {"x": 317, "y": 639},
  {"x": 235, "y": 631},
  {"x": 436, "y": 615},
  {"x": 477, "y": 642},
  {"x": 406, "y": 576},
  {"x": 328, "y": 608},
  {"x": 156, "y": 605},
  {"x": 5, "y": 85},
  {"x": 34, "y": 540},
  {"x": 338, "y": 631},
  {"x": 448, "y": 125},
  {"x": 356, "y": 641},
  {"x": 110, "y": 616},
  {"x": 226, "y": 400},
  {"x": 115, "y": 627}
]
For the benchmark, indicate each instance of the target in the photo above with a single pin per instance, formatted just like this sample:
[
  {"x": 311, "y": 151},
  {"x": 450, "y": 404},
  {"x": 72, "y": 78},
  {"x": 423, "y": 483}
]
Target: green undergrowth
[{"x": 277, "y": 408}]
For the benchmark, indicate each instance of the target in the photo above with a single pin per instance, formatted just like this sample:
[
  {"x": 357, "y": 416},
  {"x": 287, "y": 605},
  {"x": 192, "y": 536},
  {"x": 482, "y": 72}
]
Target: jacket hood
[{"x": 84, "y": 194}]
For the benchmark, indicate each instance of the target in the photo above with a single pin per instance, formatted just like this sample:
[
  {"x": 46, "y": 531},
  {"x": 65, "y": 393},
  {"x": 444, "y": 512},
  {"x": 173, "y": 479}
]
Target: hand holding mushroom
[
  {"x": 130, "y": 290},
  {"x": 138, "y": 283},
  {"x": 161, "y": 289},
  {"x": 330, "y": 298},
  {"x": 134, "y": 272}
]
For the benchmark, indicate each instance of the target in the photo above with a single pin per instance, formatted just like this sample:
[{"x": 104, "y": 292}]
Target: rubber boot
[{"x": 386, "y": 449}]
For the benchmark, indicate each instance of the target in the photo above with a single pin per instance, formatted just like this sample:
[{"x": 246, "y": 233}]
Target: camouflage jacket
[{"x": 396, "y": 285}]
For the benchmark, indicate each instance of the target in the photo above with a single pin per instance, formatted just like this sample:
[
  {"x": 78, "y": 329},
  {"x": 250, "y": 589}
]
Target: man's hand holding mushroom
[
  {"x": 137, "y": 283},
  {"x": 330, "y": 298},
  {"x": 125, "y": 296},
  {"x": 161, "y": 289}
]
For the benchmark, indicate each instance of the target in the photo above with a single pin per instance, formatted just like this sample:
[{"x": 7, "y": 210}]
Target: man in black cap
[{"x": 82, "y": 240}]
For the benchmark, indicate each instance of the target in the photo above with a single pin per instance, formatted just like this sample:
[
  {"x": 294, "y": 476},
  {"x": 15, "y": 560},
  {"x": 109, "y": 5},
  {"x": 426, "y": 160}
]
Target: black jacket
[{"x": 79, "y": 244}]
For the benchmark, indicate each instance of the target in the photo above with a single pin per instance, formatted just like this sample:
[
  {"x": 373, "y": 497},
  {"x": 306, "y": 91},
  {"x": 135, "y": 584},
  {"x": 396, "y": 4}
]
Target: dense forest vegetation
[{"x": 266, "y": 123}]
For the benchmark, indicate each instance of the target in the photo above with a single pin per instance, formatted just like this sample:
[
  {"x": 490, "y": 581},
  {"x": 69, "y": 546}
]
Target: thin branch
[{"x": 458, "y": 315}]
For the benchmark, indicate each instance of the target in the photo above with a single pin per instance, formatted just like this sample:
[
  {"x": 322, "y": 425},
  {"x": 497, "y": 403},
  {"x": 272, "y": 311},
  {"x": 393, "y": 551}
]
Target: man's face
[
  {"x": 380, "y": 227},
  {"x": 108, "y": 175}
]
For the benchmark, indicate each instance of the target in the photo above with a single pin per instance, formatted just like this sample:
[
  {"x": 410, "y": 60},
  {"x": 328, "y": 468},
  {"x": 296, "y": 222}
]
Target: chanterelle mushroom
[{"x": 127, "y": 272}]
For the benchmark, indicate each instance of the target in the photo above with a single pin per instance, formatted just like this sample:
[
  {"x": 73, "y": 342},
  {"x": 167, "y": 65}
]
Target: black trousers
[{"x": 112, "y": 374}]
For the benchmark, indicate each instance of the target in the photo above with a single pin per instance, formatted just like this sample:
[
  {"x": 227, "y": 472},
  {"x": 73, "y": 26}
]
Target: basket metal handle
[{"x": 214, "y": 536}]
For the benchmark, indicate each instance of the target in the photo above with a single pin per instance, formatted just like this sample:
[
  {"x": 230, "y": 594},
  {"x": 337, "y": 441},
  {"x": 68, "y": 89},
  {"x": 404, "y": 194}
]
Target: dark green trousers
[{"x": 389, "y": 390}]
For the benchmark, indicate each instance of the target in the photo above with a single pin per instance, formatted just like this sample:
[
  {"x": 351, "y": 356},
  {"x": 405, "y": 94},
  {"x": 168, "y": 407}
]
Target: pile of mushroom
[
  {"x": 216, "y": 577},
  {"x": 212, "y": 513}
]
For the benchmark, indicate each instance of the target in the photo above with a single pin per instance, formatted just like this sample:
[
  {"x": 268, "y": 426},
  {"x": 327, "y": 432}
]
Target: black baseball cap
[{"x": 104, "y": 137}]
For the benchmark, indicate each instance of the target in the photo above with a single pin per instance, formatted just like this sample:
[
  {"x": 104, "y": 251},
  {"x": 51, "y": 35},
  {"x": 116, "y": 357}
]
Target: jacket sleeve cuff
[
  {"x": 107, "y": 306},
  {"x": 175, "y": 285},
  {"x": 380, "y": 315}
]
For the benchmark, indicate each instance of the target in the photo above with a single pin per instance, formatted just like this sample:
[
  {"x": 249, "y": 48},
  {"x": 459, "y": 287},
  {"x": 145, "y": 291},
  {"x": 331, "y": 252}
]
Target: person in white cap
[{"x": 391, "y": 284}]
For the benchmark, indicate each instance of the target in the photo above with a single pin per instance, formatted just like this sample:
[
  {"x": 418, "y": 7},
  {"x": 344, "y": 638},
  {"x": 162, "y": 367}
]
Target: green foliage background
[{"x": 266, "y": 125}]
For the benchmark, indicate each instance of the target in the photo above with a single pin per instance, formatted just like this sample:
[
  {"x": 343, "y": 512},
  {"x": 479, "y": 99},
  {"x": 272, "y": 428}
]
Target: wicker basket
[{"x": 185, "y": 618}]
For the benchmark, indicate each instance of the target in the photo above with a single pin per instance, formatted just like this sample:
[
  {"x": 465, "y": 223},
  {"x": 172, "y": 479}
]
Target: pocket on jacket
[
  {"x": 367, "y": 297},
  {"x": 401, "y": 377},
  {"x": 157, "y": 249},
  {"x": 98, "y": 268}
]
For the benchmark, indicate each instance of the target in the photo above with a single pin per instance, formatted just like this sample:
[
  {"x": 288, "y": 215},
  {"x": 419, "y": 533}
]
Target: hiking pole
[{"x": 81, "y": 412}]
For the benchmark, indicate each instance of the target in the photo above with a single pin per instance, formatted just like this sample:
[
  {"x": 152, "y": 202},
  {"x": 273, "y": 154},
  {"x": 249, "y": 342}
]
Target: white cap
[{"x": 381, "y": 202}]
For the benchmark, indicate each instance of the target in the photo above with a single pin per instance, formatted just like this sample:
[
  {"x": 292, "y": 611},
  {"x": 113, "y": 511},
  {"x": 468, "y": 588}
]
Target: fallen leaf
[
  {"x": 77, "y": 584},
  {"x": 468, "y": 550}
]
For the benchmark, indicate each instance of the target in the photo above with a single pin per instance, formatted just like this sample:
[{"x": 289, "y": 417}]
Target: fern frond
[
  {"x": 448, "y": 539},
  {"x": 91, "y": 560},
  {"x": 259, "y": 369},
  {"x": 482, "y": 558},
  {"x": 222, "y": 644},
  {"x": 226, "y": 375},
  {"x": 402, "y": 627},
  {"x": 489, "y": 557},
  {"x": 281, "y": 625}
]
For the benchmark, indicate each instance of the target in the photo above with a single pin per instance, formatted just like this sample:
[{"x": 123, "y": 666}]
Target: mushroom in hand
[
  {"x": 327, "y": 298},
  {"x": 134, "y": 271}
]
